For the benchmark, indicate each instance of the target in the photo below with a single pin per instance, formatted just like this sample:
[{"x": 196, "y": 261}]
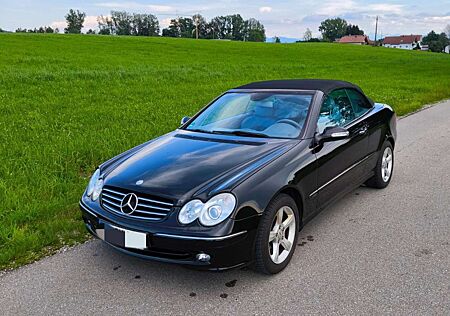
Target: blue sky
[{"x": 287, "y": 18}]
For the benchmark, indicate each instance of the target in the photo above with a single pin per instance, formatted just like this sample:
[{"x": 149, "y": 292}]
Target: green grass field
[{"x": 68, "y": 103}]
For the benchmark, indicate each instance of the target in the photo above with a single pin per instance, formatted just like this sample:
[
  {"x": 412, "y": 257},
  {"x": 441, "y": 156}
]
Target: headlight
[
  {"x": 211, "y": 213},
  {"x": 92, "y": 182},
  {"x": 97, "y": 190},
  {"x": 95, "y": 186},
  {"x": 190, "y": 211}
]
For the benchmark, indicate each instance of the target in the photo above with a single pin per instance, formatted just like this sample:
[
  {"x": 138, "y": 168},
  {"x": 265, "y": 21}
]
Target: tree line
[
  {"x": 231, "y": 27},
  {"x": 228, "y": 27}
]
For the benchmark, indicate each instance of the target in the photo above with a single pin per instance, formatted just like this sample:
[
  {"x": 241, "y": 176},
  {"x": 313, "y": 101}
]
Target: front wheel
[
  {"x": 384, "y": 167},
  {"x": 277, "y": 235}
]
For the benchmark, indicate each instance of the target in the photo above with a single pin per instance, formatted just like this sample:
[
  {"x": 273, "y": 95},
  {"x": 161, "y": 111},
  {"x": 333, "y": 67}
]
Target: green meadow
[{"x": 68, "y": 103}]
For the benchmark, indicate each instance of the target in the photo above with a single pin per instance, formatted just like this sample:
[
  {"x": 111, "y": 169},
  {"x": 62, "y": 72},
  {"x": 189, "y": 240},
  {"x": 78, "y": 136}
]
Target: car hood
[{"x": 183, "y": 164}]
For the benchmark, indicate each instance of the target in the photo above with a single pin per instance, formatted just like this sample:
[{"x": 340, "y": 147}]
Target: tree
[
  {"x": 436, "y": 42},
  {"x": 180, "y": 27},
  {"x": 172, "y": 29},
  {"x": 333, "y": 29},
  {"x": 75, "y": 21},
  {"x": 20, "y": 30},
  {"x": 353, "y": 30},
  {"x": 237, "y": 25},
  {"x": 276, "y": 39},
  {"x": 307, "y": 36},
  {"x": 254, "y": 31},
  {"x": 105, "y": 25},
  {"x": 122, "y": 22},
  {"x": 90, "y": 31},
  {"x": 201, "y": 26},
  {"x": 218, "y": 27},
  {"x": 145, "y": 25},
  {"x": 49, "y": 29}
]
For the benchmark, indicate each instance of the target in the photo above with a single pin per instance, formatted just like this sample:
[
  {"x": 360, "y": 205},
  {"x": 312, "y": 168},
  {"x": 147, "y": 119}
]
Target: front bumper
[{"x": 226, "y": 252}]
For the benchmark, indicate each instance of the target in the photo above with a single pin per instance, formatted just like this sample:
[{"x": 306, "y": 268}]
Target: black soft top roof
[{"x": 325, "y": 86}]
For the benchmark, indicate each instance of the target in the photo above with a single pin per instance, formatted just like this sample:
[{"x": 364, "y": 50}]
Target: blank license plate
[{"x": 123, "y": 237}]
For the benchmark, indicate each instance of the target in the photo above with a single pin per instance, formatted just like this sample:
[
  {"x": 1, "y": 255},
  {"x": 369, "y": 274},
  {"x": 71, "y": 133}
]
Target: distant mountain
[{"x": 282, "y": 39}]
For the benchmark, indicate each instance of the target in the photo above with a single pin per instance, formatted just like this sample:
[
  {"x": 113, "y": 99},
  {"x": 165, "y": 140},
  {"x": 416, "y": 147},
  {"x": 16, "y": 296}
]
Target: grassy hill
[{"x": 68, "y": 103}]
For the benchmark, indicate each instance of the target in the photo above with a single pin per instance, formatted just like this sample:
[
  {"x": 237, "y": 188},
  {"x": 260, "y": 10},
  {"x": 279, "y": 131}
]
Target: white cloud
[
  {"x": 265, "y": 9},
  {"x": 438, "y": 18},
  {"x": 333, "y": 8},
  {"x": 59, "y": 24},
  {"x": 90, "y": 22},
  {"x": 135, "y": 5},
  {"x": 386, "y": 8}
]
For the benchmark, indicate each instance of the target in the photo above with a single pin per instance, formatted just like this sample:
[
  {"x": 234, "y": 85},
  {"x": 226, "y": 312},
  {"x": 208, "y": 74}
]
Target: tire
[
  {"x": 266, "y": 260},
  {"x": 382, "y": 177}
]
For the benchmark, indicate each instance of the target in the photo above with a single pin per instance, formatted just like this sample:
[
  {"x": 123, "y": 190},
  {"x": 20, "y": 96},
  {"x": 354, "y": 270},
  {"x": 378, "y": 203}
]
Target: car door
[
  {"x": 340, "y": 162},
  {"x": 362, "y": 107}
]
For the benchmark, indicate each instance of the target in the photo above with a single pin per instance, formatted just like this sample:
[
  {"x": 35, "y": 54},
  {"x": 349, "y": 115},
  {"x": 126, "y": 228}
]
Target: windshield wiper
[
  {"x": 242, "y": 133},
  {"x": 200, "y": 130}
]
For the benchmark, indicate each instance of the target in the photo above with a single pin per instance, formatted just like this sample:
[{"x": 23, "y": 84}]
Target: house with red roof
[
  {"x": 403, "y": 41},
  {"x": 354, "y": 39}
]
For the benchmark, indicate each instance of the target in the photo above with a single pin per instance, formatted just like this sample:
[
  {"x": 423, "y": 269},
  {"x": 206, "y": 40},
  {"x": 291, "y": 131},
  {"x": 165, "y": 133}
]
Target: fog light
[{"x": 203, "y": 257}]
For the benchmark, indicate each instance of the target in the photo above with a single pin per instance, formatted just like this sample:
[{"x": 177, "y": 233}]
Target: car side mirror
[
  {"x": 185, "y": 119},
  {"x": 332, "y": 133}
]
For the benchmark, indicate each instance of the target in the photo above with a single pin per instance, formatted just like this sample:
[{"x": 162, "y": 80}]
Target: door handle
[{"x": 362, "y": 130}]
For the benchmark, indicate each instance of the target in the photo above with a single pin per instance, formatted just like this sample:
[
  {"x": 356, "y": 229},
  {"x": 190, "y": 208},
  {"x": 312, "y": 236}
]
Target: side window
[
  {"x": 336, "y": 110},
  {"x": 359, "y": 102}
]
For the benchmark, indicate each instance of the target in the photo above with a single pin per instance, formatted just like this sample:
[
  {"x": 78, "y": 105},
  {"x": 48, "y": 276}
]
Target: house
[
  {"x": 403, "y": 41},
  {"x": 354, "y": 39}
]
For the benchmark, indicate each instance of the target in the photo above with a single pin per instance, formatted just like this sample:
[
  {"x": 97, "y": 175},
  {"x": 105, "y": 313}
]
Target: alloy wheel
[
  {"x": 386, "y": 164},
  {"x": 282, "y": 235}
]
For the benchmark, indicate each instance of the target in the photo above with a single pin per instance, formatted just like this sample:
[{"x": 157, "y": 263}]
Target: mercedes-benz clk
[{"x": 234, "y": 184}]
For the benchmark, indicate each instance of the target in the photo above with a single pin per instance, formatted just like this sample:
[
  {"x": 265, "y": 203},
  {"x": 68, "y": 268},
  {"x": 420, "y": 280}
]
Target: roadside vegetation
[{"x": 69, "y": 102}]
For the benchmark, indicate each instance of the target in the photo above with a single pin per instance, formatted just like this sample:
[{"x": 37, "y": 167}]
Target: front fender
[{"x": 296, "y": 170}]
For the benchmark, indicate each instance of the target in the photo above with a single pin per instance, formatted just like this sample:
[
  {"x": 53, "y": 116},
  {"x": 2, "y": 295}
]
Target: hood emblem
[
  {"x": 129, "y": 203},
  {"x": 139, "y": 182}
]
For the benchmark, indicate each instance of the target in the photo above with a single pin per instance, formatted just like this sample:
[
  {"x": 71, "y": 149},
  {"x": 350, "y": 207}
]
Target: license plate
[{"x": 123, "y": 237}]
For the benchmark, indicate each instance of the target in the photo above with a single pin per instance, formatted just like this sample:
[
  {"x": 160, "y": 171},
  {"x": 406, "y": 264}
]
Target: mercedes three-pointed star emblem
[{"x": 129, "y": 203}]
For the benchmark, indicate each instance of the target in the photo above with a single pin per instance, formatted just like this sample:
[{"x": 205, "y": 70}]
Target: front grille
[{"x": 148, "y": 207}]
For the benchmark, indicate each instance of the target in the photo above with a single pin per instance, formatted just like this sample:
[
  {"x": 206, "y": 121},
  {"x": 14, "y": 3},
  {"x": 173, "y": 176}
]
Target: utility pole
[
  {"x": 376, "y": 30},
  {"x": 196, "y": 26}
]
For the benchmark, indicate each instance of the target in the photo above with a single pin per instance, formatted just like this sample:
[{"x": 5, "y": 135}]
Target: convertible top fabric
[{"x": 325, "y": 86}]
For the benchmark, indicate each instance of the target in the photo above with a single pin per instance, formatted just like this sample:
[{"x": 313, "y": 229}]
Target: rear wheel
[
  {"x": 277, "y": 235},
  {"x": 384, "y": 168}
]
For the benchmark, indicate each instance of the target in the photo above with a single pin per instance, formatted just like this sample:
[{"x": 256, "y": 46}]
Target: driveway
[{"x": 374, "y": 252}]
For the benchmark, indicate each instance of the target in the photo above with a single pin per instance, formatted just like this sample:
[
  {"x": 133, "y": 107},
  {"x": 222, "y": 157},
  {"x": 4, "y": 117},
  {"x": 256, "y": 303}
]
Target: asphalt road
[{"x": 374, "y": 252}]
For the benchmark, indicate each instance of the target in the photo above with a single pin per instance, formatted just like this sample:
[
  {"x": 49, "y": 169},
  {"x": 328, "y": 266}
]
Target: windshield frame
[{"x": 302, "y": 133}]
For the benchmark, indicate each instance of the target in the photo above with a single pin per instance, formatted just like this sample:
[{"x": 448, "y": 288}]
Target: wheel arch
[
  {"x": 390, "y": 139},
  {"x": 298, "y": 199}
]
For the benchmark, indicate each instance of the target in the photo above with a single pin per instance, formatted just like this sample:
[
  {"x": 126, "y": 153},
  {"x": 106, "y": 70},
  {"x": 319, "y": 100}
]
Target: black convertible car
[{"x": 235, "y": 184}]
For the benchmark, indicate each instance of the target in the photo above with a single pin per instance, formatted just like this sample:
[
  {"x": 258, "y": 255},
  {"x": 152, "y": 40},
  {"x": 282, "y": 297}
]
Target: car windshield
[{"x": 255, "y": 114}]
